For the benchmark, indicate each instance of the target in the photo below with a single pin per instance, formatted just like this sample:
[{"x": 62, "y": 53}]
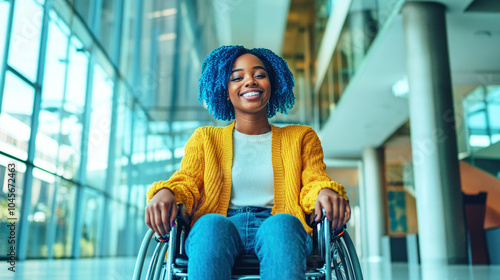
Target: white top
[{"x": 252, "y": 172}]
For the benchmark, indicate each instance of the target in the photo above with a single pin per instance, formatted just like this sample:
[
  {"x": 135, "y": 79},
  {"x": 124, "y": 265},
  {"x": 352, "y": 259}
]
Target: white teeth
[{"x": 252, "y": 93}]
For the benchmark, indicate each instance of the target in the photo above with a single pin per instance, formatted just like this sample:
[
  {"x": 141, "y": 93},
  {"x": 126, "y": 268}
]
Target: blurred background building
[{"x": 98, "y": 98}]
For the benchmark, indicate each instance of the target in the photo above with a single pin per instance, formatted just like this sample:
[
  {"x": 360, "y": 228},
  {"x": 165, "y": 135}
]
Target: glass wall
[
  {"x": 482, "y": 110},
  {"x": 25, "y": 41},
  {"x": 4, "y": 19},
  {"x": 478, "y": 132},
  {"x": 370, "y": 15},
  {"x": 99, "y": 128},
  {"x": 8, "y": 181},
  {"x": 40, "y": 214},
  {"x": 16, "y": 115},
  {"x": 363, "y": 22},
  {"x": 97, "y": 99}
]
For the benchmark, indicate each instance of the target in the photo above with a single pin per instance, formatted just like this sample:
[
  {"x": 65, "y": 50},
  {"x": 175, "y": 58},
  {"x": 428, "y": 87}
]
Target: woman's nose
[{"x": 250, "y": 82}]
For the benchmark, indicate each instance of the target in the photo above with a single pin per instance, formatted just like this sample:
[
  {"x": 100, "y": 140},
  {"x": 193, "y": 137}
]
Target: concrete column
[
  {"x": 373, "y": 162},
  {"x": 441, "y": 225}
]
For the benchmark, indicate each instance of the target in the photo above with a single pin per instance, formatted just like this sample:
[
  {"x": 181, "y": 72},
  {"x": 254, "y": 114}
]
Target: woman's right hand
[{"x": 161, "y": 211}]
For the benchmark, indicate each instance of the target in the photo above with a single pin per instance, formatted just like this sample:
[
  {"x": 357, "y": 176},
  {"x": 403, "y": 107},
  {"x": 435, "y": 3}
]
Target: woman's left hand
[{"x": 338, "y": 211}]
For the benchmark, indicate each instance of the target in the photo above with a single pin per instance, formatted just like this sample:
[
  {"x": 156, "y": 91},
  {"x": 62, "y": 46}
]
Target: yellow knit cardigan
[{"x": 203, "y": 182}]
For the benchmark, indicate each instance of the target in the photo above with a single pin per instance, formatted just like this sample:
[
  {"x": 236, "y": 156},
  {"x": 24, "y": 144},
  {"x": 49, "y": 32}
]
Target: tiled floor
[
  {"x": 415, "y": 272},
  {"x": 123, "y": 268},
  {"x": 82, "y": 269}
]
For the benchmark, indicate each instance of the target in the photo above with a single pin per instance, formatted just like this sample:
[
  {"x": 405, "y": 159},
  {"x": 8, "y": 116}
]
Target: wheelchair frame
[{"x": 334, "y": 248}]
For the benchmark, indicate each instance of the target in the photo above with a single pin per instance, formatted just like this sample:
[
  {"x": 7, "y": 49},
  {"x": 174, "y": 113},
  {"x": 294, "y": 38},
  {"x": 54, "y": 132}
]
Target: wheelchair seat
[
  {"x": 249, "y": 264},
  {"x": 243, "y": 264}
]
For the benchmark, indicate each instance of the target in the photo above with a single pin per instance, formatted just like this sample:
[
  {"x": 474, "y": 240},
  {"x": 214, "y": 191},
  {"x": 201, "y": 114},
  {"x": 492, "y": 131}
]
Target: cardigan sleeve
[
  {"x": 187, "y": 182},
  {"x": 314, "y": 177}
]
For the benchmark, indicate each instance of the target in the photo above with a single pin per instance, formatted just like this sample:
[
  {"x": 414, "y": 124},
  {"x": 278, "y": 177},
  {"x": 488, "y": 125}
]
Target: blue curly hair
[{"x": 215, "y": 73}]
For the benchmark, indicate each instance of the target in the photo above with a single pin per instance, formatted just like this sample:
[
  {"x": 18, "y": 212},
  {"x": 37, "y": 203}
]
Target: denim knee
[
  {"x": 282, "y": 228},
  {"x": 283, "y": 221},
  {"x": 282, "y": 247},
  {"x": 213, "y": 223},
  {"x": 212, "y": 246},
  {"x": 213, "y": 231}
]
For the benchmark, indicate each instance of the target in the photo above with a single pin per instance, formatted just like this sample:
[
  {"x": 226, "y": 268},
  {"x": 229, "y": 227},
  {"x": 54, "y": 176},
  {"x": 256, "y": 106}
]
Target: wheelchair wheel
[{"x": 344, "y": 260}]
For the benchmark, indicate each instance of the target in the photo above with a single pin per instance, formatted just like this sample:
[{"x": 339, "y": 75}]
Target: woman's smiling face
[{"x": 249, "y": 86}]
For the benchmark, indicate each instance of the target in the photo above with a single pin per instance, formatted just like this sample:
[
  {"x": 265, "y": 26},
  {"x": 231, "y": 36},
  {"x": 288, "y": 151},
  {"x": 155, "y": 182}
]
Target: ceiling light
[
  {"x": 164, "y": 13},
  {"x": 167, "y": 36},
  {"x": 401, "y": 88}
]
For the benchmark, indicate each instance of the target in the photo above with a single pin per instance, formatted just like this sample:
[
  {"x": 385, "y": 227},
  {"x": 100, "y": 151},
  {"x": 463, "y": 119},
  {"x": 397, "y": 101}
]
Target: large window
[
  {"x": 166, "y": 24},
  {"x": 63, "y": 219},
  {"x": 25, "y": 41},
  {"x": 15, "y": 116},
  {"x": 84, "y": 9},
  {"x": 493, "y": 108},
  {"x": 51, "y": 216},
  {"x": 482, "y": 109},
  {"x": 92, "y": 223},
  {"x": 40, "y": 214},
  {"x": 139, "y": 137},
  {"x": 128, "y": 38},
  {"x": 116, "y": 231},
  {"x": 4, "y": 17},
  {"x": 73, "y": 108},
  {"x": 72, "y": 145},
  {"x": 122, "y": 146},
  {"x": 5, "y": 190},
  {"x": 51, "y": 153},
  {"x": 100, "y": 122},
  {"x": 107, "y": 23}
]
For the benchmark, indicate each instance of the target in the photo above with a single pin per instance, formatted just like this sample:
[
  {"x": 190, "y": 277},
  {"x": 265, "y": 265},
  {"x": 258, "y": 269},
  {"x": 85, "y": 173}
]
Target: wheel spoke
[{"x": 342, "y": 260}]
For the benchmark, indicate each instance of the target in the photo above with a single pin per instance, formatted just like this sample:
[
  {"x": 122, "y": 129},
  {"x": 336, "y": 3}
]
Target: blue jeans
[{"x": 279, "y": 241}]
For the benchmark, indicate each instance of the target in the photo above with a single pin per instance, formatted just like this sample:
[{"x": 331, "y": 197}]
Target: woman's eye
[
  {"x": 235, "y": 79},
  {"x": 260, "y": 75}
]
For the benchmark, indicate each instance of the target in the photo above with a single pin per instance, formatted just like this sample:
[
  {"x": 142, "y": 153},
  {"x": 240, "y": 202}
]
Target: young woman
[{"x": 248, "y": 185}]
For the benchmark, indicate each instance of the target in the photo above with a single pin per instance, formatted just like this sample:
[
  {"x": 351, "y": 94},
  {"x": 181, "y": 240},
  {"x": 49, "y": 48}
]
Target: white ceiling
[
  {"x": 368, "y": 113},
  {"x": 252, "y": 23}
]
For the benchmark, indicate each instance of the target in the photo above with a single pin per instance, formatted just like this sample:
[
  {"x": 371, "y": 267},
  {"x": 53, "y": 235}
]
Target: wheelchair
[{"x": 334, "y": 255}]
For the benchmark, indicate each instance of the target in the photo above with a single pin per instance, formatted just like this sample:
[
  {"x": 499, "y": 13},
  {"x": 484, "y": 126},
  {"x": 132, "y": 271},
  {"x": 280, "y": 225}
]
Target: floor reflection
[
  {"x": 429, "y": 272},
  {"x": 123, "y": 268}
]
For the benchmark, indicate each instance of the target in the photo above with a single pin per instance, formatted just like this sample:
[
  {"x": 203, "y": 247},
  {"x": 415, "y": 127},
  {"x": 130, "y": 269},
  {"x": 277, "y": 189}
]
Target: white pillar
[
  {"x": 373, "y": 166},
  {"x": 434, "y": 149}
]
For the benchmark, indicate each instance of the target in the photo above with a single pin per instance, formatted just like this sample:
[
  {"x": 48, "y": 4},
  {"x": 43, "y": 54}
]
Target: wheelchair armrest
[
  {"x": 182, "y": 215},
  {"x": 313, "y": 224},
  {"x": 183, "y": 219},
  {"x": 310, "y": 220}
]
